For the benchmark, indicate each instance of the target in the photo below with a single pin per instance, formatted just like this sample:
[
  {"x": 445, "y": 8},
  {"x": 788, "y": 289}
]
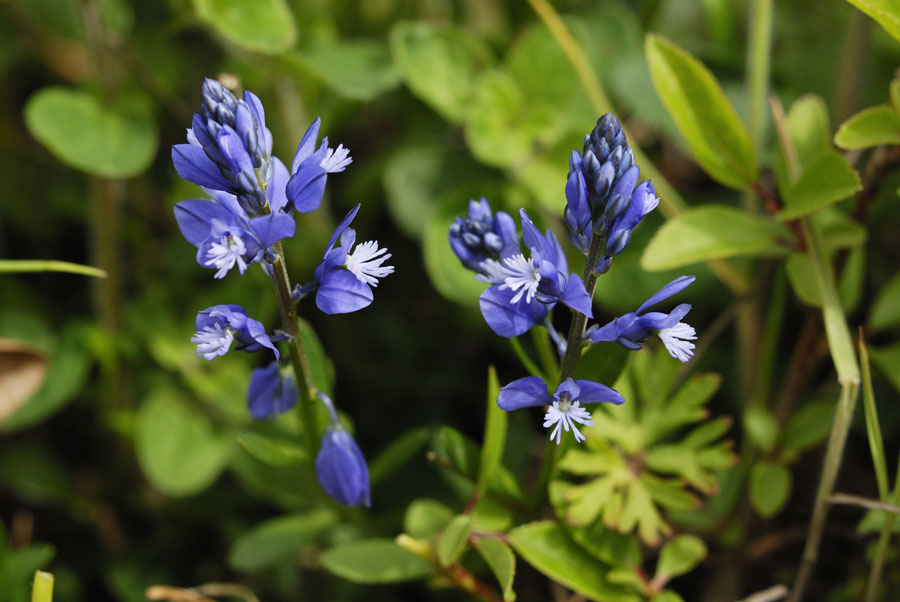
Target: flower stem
[
  {"x": 49, "y": 265},
  {"x": 43, "y": 587},
  {"x": 575, "y": 340}
]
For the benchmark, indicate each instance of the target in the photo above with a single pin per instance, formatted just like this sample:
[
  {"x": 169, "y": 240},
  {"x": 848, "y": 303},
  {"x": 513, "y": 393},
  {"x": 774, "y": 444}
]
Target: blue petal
[
  {"x": 271, "y": 392},
  {"x": 523, "y": 393},
  {"x": 611, "y": 331},
  {"x": 253, "y": 336},
  {"x": 341, "y": 468},
  {"x": 676, "y": 286},
  {"x": 277, "y": 185},
  {"x": 576, "y": 296},
  {"x": 506, "y": 319},
  {"x": 234, "y": 151},
  {"x": 655, "y": 320},
  {"x": 341, "y": 227},
  {"x": 341, "y": 292},
  {"x": 306, "y": 187},
  {"x": 307, "y": 145},
  {"x": 193, "y": 165},
  {"x": 592, "y": 392},
  {"x": 194, "y": 218},
  {"x": 273, "y": 227}
]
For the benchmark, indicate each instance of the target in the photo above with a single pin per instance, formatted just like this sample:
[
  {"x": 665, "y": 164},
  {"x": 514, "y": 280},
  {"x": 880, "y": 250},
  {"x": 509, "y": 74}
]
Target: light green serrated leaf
[
  {"x": 769, "y": 487},
  {"x": 885, "y": 312},
  {"x": 874, "y": 126},
  {"x": 502, "y": 562},
  {"x": 374, "y": 561},
  {"x": 116, "y": 141},
  {"x": 680, "y": 555},
  {"x": 265, "y": 26},
  {"x": 275, "y": 541},
  {"x": 827, "y": 179},
  {"x": 712, "y": 232},
  {"x": 546, "y": 547},
  {"x": 701, "y": 111},
  {"x": 452, "y": 541},
  {"x": 885, "y": 12},
  {"x": 176, "y": 446},
  {"x": 355, "y": 69}
]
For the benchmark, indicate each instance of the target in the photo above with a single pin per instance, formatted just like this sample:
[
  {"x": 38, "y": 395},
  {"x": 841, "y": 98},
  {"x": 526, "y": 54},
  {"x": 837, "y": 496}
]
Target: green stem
[
  {"x": 758, "y": 66},
  {"x": 529, "y": 365},
  {"x": 545, "y": 353},
  {"x": 575, "y": 340},
  {"x": 43, "y": 587},
  {"x": 8, "y": 266}
]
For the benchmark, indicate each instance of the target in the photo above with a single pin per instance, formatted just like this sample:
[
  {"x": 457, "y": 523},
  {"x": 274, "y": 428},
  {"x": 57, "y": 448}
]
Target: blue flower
[
  {"x": 565, "y": 405},
  {"x": 225, "y": 236},
  {"x": 340, "y": 466},
  {"x": 310, "y": 169},
  {"x": 633, "y": 329},
  {"x": 272, "y": 391},
  {"x": 344, "y": 277},
  {"x": 524, "y": 290},
  {"x": 229, "y": 147},
  {"x": 481, "y": 236},
  {"x": 220, "y": 325}
]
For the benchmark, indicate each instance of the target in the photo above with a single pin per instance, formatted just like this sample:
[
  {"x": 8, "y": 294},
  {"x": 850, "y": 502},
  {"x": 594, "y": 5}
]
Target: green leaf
[
  {"x": 274, "y": 448},
  {"x": 827, "y": 178},
  {"x": 885, "y": 12},
  {"x": 375, "y": 561},
  {"x": 873, "y": 428},
  {"x": 115, "y": 141},
  {"x": 762, "y": 428},
  {"x": 425, "y": 517},
  {"x": 809, "y": 426},
  {"x": 356, "y": 69},
  {"x": 704, "y": 116},
  {"x": 463, "y": 455},
  {"x": 800, "y": 274},
  {"x": 770, "y": 487},
  {"x": 885, "y": 312},
  {"x": 265, "y": 26},
  {"x": 494, "y": 435},
  {"x": 502, "y": 562},
  {"x": 452, "y": 541},
  {"x": 888, "y": 361},
  {"x": 17, "y": 567},
  {"x": 176, "y": 446},
  {"x": 440, "y": 65},
  {"x": 35, "y": 475},
  {"x": 809, "y": 129},
  {"x": 712, "y": 232},
  {"x": 398, "y": 453},
  {"x": 895, "y": 95},
  {"x": 275, "y": 541},
  {"x": 874, "y": 126},
  {"x": 546, "y": 547},
  {"x": 602, "y": 362},
  {"x": 319, "y": 363},
  {"x": 413, "y": 178},
  {"x": 447, "y": 274},
  {"x": 852, "y": 279},
  {"x": 679, "y": 555}
]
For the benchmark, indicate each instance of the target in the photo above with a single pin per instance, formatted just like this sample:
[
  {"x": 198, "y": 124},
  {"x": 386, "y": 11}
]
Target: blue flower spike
[
  {"x": 565, "y": 405},
  {"x": 272, "y": 391},
  {"x": 221, "y": 325},
  {"x": 310, "y": 169},
  {"x": 633, "y": 329},
  {"x": 482, "y": 235},
  {"x": 345, "y": 276},
  {"x": 340, "y": 465}
]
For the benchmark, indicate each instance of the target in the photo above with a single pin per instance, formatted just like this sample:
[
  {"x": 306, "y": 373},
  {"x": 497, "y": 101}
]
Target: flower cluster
[
  {"x": 248, "y": 212},
  {"x": 605, "y": 203}
]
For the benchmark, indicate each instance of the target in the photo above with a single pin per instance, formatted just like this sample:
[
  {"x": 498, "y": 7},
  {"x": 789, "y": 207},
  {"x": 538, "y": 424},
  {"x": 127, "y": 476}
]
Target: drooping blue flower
[
  {"x": 272, "y": 391},
  {"x": 483, "y": 235},
  {"x": 340, "y": 465},
  {"x": 229, "y": 147},
  {"x": 225, "y": 236},
  {"x": 221, "y": 325},
  {"x": 524, "y": 290},
  {"x": 310, "y": 169},
  {"x": 565, "y": 404},
  {"x": 633, "y": 329},
  {"x": 345, "y": 276}
]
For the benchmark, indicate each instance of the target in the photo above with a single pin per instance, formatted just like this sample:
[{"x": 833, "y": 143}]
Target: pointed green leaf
[
  {"x": 356, "y": 69},
  {"x": 273, "y": 448},
  {"x": 874, "y": 126},
  {"x": 546, "y": 547},
  {"x": 374, "y": 561},
  {"x": 704, "y": 116},
  {"x": 873, "y": 427},
  {"x": 116, "y": 141},
  {"x": 809, "y": 128},
  {"x": 275, "y": 541},
  {"x": 712, "y": 232},
  {"x": 401, "y": 451},
  {"x": 425, "y": 517},
  {"x": 494, "y": 435},
  {"x": 452, "y": 542},
  {"x": 809, "y": 426},
  {"x": 827, "y": 178},
  {"x": 885, "y": 12},
  {"x": 502, "y": 562},
  {"x": 770, "y": 487},
  {"x": 265, "y": 26},
  {"x": 679, "y": 555},
  {"x": 319, "y": 363},
  {"x": 761, "y": 427},
  {"x": 887, "y": 359},
  {"x": 885, "y": 312}
]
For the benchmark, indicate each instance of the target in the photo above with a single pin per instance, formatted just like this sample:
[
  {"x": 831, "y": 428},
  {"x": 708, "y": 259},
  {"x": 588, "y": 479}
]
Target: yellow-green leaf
[{"x": 874, "y": 126}]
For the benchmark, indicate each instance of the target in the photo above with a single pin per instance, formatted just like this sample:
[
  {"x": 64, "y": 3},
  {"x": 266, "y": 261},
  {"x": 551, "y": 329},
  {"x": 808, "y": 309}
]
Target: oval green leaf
[
  {"x": 770, "y": 486},
  {"x": 885, "y": 12},
  {"x": 502, "y": 562},
  {"x": 118, "y": 141},
  {"x": 701, "y": 111},
  {"x": 375, "y": 561},
  {"x": 679, "y": 555},
  {"x": 452, "y": 542},
  {"x": 874, "y": 126},
  {"x": 885, "y": 312},
  {"x": 356, "y": 69},
  {"x": 275, "y": 541},
  {"x": 712, "y": 232},
  {"x": 265, "y": 26}
]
